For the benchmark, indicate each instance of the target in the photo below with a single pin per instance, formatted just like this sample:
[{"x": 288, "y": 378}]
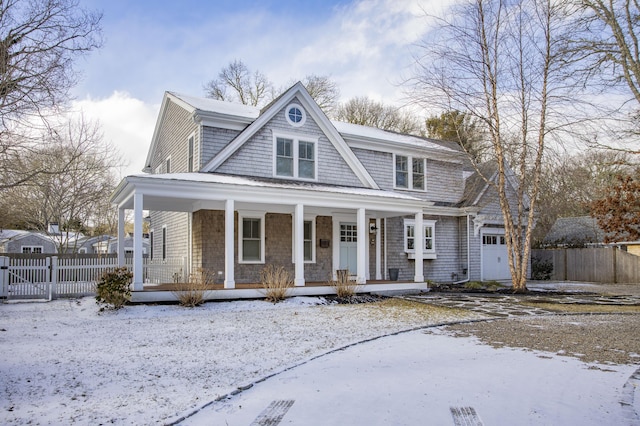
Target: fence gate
[{"x": 25, "y": 278}]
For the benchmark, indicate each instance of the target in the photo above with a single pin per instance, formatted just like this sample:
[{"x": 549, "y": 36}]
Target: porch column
[
  {"x": 121, "y": 224},
  {"x": 419, "y": 247},
  {"x": 378, "y": 251},
  {"x": 298, "y": 238},
  {"x": 138, "y": 279},
  {"x": 229, "y": 278},
  {"x": 363, "y": 230}
]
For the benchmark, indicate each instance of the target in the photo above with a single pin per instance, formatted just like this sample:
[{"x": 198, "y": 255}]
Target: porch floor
[
  {"x": 152, "y": 293},
  {"x": 245, "y": 286}
]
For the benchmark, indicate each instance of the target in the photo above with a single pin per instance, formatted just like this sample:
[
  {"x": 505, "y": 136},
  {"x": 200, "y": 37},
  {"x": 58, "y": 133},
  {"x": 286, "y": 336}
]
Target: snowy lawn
[{"x": 64, "y": 362}]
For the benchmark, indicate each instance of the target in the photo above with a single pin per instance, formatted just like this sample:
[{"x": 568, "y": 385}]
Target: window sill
[{"x": 425, "y": 255}]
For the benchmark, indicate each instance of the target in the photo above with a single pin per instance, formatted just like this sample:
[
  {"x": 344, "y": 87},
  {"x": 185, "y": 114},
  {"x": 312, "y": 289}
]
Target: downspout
[{"x": 468, "y": 254}]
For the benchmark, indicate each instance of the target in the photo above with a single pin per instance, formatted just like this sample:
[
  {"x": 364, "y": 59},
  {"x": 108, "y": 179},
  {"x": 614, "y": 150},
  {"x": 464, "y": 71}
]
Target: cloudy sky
[{"x": 152, "y": 46}]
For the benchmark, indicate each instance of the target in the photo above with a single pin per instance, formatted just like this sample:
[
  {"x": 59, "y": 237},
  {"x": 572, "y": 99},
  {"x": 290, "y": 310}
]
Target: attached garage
[{"x": 495, "y": 261}]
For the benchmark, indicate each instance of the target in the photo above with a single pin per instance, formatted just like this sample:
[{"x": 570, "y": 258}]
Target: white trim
[
  {"x": 491, "y": 231},
  {"x": 426, "y": 253},
  {"x": 245, "y": 214},
  {"x": 314, "y": 111},
  {"x": 295, "y": 152},
  {"x": 307, "y": 218},
  {"x": 303, "y": 119},
  {"x": 410, "y": 186},
  {"x": 31, "y": 248}
]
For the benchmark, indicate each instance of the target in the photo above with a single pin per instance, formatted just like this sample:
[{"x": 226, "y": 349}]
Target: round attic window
[{"x": 295, "y": 115}]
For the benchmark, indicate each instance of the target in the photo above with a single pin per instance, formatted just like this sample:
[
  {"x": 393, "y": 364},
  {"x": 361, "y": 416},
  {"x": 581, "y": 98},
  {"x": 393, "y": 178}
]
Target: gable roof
[
  {"x": 477, "y": 184},
  {"x": 296, "y": 91},
  {"x": 204, "y": 111}
]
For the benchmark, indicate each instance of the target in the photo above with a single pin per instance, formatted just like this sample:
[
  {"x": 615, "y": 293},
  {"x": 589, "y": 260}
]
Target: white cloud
[{"x": 127, "y": 123}]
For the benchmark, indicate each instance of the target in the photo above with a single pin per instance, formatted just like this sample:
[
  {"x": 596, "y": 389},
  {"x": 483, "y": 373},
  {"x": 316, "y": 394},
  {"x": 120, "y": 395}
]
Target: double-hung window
[
  {"x": 295, "y": 157},
  {"x": 309, "y": 248},
  {"x": 251, "y": 238},
  {"x": 409, "y": 172},
  {"x": 429, "y": 234}
]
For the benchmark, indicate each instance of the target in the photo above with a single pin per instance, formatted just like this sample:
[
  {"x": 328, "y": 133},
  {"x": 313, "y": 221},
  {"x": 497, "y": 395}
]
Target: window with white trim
[
  {"x": 295, "y": 115},
  {"x": 168, "y": 165},
  {"x": 429, "y": 234},
  {"x": 295, "y": 157},
  {"x": 309, "y": 233},
  {"x": 31, "y": 249},
  {"x": 251, "y": 238},
  {"x": 409, "y": 172},
  {"x": 151, "y": 243}
]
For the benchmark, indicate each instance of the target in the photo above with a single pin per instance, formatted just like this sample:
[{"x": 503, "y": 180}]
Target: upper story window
[
  {"x": 429, "y": 234},
  {"x": 295, "y": 157},
  {"x": 295, "y": 115},
  {"x": 409, "y": 172}
]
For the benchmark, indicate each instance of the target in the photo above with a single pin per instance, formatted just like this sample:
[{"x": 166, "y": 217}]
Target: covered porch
[{"x": 356, "y": 216}]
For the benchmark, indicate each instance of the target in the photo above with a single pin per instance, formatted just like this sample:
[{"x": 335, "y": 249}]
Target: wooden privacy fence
[
  {"x": 54, "y": 277},
  {"x": 603, "y": 264}
]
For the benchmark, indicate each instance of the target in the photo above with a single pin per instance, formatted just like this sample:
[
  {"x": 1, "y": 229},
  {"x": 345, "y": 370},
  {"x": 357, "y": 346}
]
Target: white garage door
[{"x": 495, "y": 263}]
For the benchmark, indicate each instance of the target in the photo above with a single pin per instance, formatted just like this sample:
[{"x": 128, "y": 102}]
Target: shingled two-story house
[{"x": 234, "y": 188}]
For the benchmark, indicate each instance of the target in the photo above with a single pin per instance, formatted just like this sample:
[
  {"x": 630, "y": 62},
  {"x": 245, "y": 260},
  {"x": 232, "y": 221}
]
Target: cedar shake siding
[{"x": 208, "y": 244}]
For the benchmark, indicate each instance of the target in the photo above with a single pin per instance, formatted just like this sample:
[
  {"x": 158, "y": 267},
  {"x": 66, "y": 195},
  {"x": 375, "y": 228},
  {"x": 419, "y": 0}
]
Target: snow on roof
[
  {"x": 354, "y": 130},
  {"x": 7, "y": 234},
  {"x": 375, "y": 133},
  {"x": 274, "y": 183},
  {"x": 217, "y": 106}
]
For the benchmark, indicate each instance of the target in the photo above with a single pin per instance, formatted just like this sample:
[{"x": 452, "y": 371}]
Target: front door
[{"x": 349, "y": 247}]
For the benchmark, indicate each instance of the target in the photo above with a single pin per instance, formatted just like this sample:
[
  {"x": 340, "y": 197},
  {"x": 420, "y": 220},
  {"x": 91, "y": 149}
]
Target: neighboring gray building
[
  {"x": 576, "y": 231},
  {"x": 233, "y": 188},
  {"x": 26, "y": 242}
]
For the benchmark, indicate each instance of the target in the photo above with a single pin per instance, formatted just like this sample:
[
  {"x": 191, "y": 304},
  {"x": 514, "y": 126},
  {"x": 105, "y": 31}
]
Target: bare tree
[
  {"x": 323, "y": 90},
  {"x": 498, "y": 61},
  {"x": 74, "y": 192},
  {"x": 235, "y": 83},
  {"x": 39, "y": 41},
  {"x": 367, "y": 112},
  {"x": 604, "y": 49}
]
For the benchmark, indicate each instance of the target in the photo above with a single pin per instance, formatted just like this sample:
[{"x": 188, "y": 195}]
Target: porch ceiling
[{"x": 188, "y": 192}]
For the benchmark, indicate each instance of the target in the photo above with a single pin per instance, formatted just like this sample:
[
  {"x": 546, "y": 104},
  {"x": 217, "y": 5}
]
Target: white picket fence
[{"x": 53, "y": 277}]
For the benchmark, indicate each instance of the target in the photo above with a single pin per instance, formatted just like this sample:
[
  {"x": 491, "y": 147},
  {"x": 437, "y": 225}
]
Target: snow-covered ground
[{"x": 64, "y": 362}]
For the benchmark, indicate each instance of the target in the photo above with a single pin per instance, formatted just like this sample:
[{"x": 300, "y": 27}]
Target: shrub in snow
[
  {"x": 191, "y": 294},
  {"x": 113, "y": 288},
  {"x": 344, "y": 286},
  {"x": 276, "y": 283}
]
